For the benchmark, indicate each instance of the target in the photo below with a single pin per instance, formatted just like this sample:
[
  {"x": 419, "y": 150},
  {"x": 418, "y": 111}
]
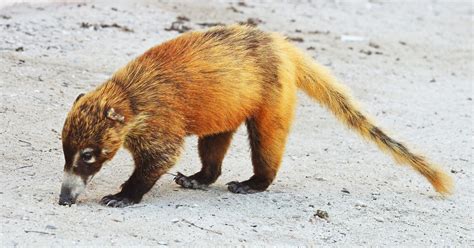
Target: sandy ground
[{"x": 411, "y": 66}]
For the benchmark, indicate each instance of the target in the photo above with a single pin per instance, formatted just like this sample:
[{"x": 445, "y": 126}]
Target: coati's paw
[
  {"x": 188, "y": 182},
  {"x": 240, "y": 188},
  {"x": 116, "y": 201}
]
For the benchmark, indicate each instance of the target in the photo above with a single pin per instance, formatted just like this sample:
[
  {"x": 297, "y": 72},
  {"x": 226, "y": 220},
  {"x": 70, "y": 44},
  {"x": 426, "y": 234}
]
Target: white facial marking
[
  {"x": 74, "y": 183},
  {"x": 88, "y": 150},
  {"x": 74, "y": 161}
]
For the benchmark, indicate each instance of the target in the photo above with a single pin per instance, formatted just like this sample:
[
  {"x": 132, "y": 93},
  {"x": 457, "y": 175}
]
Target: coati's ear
[
  {"x": 79, "y": 97},
  {"x": 111, "y": 114}
]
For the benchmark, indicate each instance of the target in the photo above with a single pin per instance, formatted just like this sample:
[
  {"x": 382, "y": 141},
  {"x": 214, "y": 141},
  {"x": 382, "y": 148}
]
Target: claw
[
  {"x": 178, "y": 176},
  {"x": 239, "y": 188},
  {"x": 110, "y": 203},
  {"x": 187, "y": 182},
  {"x": 115, "y": 201}
]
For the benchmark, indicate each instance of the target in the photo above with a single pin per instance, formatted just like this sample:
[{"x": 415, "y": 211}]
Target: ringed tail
[{"x": 316, "y": 81}]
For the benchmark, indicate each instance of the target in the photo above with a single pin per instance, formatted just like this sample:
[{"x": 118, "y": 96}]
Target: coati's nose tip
[{"x": 66, "y": 200}]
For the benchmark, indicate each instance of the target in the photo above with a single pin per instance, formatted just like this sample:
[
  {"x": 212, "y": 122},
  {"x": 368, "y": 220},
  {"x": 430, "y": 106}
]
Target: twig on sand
[
  {"x": 200, "y": 227},
  {"x": 40, "y": 232},
  {"x": 25, "y": 142},
  {"x": 22, "y": 167}
]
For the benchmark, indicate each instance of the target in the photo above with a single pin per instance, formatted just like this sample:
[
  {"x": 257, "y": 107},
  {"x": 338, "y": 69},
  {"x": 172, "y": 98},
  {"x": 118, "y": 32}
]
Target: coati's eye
[{"x": 87, "y": 156}]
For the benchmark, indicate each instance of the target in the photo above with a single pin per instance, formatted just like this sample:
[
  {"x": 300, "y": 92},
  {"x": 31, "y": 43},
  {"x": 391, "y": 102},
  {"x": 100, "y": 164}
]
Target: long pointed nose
[
  {"x": 72, "y": 186},
  {"x": 65, "y": 197}
]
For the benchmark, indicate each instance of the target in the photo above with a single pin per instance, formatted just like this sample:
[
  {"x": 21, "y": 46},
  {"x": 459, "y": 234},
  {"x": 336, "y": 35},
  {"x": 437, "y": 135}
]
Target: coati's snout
[
  {"x": 65, "y": 198},
  {"x": 71, "y": 187},
  {"x": 92, "y": 134},
  {"x": 78, "y": 172}
]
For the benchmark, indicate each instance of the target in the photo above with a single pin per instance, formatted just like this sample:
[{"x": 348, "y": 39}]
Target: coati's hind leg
[
  {"x": 267, "y": 136},
  {"x": 212, "y": 149}
]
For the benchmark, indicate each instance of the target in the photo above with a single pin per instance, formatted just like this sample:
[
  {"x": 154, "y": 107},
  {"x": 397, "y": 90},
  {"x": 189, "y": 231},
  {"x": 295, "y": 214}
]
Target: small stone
[
  {"x": 379, "y": 219},
  {"x": 183, "y": 18},
  {"x": 344, "y": 190},
  {"x": 376, "y": 46},
  {"x": 322, "y": 214},
  {"x": 242, "y": 4},
  {"x": 253, "y": 22},
  {"x": 174, "y": 220},
  {"x": 162, "y": 242},
  {"x": 51, "y": 227},
  {"x": 296, "y": 39}
]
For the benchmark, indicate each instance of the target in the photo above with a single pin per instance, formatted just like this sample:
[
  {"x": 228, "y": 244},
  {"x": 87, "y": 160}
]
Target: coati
[{"x": 207, "y": 84}]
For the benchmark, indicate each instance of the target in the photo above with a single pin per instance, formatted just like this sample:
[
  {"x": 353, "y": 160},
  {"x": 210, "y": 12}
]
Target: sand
[{"x": 409, "y": 64}]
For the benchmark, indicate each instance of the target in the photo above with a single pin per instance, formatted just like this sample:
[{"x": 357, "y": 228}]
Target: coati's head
[{"x": 92, "y": 134}]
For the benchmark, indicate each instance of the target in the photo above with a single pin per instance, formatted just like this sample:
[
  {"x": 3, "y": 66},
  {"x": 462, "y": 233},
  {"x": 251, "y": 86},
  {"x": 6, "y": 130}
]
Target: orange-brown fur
[{"x": 207, "y": 84}]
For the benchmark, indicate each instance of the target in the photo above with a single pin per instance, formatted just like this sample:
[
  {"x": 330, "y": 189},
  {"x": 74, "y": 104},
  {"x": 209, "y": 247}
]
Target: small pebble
[
  {"x": 379, "y": 219},
  {"x": 51, "y": 227},
  {"x": 322, "y": 214},
  {"x": 376, "y": 46}
]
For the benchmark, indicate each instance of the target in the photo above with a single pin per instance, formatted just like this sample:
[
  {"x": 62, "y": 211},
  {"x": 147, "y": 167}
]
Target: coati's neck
[
  {"x": 113, "y": 94},
  {"x": 135, "y": 74}
]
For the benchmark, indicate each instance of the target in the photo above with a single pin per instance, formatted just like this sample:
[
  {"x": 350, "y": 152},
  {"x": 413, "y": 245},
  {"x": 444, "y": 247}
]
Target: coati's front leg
[
  {"x": 212, "y": 149},
  {"x": 155, "y": 150}
]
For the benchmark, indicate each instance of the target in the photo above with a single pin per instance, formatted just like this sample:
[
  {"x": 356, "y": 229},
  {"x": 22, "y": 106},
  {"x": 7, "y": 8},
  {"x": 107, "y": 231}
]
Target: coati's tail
[{"x": 318, "y": 83}]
